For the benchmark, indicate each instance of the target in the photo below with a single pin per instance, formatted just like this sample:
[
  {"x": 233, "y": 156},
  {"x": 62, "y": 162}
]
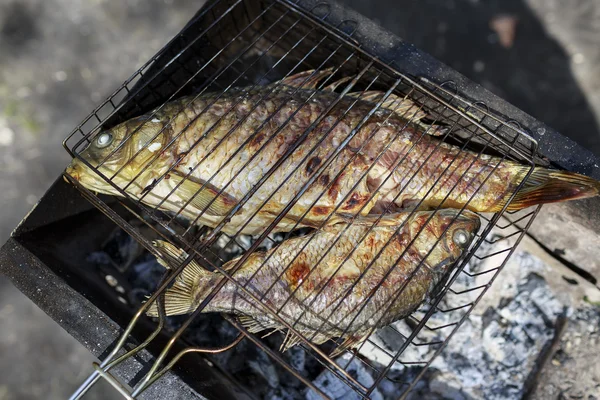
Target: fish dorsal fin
[
  {"x": 254, "y": 326},
  {"x": 402, "y": 106},
  {"x": 307, "y": 79},
  {"x": 203, "y": 195},
  {"x": 350, "y": 342},
  {"x": 332, "y": 86},
  {"x": 291, "y": 339}
]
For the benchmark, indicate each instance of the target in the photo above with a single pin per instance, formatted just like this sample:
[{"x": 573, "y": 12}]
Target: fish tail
[
  {"x": 550, "y": 186},
  {"x": 181, "y": 298}
]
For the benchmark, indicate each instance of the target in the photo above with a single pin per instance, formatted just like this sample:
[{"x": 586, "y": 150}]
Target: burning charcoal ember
[{"x": 336, "y": 389}]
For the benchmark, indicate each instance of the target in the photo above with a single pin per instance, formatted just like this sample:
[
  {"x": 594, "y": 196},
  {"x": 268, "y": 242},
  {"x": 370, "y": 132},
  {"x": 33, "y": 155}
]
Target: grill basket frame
[{"x": 135, "y": 96}]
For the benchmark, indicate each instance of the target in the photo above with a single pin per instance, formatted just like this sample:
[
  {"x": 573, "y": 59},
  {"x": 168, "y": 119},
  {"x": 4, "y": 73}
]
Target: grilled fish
[
  {"x": 244, "y": 156},
  {"x": 342, "y": 281}
]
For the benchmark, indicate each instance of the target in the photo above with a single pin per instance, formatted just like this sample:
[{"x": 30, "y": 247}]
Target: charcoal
[{"x": 335, "y": 388}]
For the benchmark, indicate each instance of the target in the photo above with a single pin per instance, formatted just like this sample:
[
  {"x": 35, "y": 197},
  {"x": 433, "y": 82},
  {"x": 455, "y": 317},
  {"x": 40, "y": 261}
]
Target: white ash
[{"x": 494, "y": 351}]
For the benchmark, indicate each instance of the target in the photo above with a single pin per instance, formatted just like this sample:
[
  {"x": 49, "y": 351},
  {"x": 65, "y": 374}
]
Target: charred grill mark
[
  {"x": 429, "y": 229},
  {"x": 355, "y": 200},
  {"x": 297, "y": 272},
  {"x": 324, "y": 180},
  {"x": 149, "y": 187},
  {"x": 403, "y": 239},
  {"x": 257, "y": 139},
  {"x": 312, "y": 165},
  {"x": 320, "y": 210},
  {"x": 180, "y": 157},
  {"x": 335, "y": 187}
]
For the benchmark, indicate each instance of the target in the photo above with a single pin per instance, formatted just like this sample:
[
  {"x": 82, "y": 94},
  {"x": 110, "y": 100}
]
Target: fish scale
[{"x": 341, "y": 281}]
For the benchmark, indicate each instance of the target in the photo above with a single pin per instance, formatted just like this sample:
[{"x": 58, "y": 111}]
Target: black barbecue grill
[{"x": 235, "y": 43}]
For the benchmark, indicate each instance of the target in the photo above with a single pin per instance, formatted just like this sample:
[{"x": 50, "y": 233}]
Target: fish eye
[
  {"x": 103, "y": 140},
  {"x": 460, "y": 237}
]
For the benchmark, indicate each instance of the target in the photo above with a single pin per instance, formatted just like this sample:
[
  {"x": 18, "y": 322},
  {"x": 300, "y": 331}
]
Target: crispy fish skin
[
  {"x": 322, "y": 292},
  {"x": 434, "y": 174},
  {"x": 200, "y": 156},
  {"x": 240, "y": 138}
]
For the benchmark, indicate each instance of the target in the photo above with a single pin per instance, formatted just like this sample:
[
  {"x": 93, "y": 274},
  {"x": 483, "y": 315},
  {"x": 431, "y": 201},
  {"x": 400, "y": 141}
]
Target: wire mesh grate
[{"x": 250, "y": 44}]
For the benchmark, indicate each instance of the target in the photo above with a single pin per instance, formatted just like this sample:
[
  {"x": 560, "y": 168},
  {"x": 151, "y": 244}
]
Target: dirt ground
[{"x": 59, "y": 59}]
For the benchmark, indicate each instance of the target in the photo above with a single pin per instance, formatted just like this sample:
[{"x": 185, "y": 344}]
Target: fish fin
[
  {"x": 306, "y": 79},
  {"x": 228, "y": 266},
  {"x": 251, "y": 324},
  {"x": 178, "y": 300},
  {"x": 331, "y": 87},
  {"x": 272, "y": 331},
  {"x": 550, "y": 186},
  {"x": 402, "y": 106},
  {"x": 172, "y": 256},
  {"x": 203, "y": 195},
  {"x": 291, "y": 339},
  {"x": 434, "y": 129},
  {"x": 350, "y": 342},
  {"x": 254, "y": 326}
]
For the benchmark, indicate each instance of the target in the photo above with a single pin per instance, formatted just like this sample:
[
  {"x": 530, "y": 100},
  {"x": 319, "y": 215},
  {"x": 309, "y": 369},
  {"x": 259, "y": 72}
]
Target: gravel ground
[{"x": 61, "y": 58}]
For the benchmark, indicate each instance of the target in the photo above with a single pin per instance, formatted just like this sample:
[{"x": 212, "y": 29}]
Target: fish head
[
  {"x": 445, "y": 237},
  {"x": 122, "y": 154}
]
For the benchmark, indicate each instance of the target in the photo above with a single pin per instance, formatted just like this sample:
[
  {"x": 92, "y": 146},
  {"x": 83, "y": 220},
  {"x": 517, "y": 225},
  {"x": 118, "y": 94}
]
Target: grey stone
[
  {"x": 578, "y": 372},
  {"x": 571, "y": 231}
]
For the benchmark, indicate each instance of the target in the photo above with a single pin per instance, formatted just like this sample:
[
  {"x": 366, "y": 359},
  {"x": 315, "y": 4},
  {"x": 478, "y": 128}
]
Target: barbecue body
[
  {"x": 243, "y": 156},
  {"x": 341, "y": 281}
]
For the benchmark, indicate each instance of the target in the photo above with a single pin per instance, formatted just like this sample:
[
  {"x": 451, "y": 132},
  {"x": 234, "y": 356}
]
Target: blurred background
[{"x": 60, "y": 58}]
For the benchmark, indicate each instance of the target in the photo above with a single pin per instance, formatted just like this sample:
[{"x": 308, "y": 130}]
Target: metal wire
[{"x": 290, "y": 39}]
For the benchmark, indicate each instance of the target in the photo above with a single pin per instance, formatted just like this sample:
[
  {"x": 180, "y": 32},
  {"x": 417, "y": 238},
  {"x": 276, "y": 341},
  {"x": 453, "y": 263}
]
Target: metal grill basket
[{"x": 245, "y": 43}]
